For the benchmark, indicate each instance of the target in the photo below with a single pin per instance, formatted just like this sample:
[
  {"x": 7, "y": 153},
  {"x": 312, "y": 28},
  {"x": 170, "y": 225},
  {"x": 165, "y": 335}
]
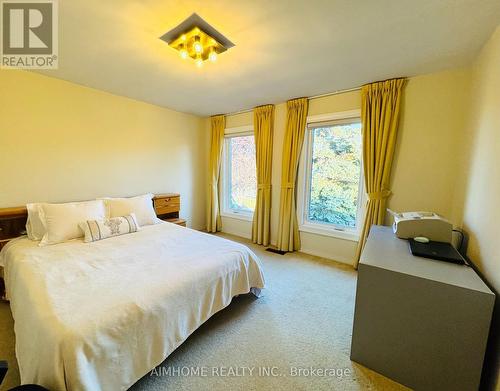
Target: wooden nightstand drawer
[
  {"x": 167, "y": 204},
  {"x": 167, "y": 207}
]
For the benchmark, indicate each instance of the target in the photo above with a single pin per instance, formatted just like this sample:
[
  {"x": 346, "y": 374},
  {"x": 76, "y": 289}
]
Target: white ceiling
[{"x": 284, "y": 48}]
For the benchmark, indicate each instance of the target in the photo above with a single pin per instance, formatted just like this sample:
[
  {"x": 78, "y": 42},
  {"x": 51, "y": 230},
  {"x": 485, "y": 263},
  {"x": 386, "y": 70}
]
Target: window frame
[
  {"x": 226, "y": 211},
  {"x": 304, "y": 183}
]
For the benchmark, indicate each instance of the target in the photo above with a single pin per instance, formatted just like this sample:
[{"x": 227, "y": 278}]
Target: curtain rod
[{"x": 309, "y": 98}]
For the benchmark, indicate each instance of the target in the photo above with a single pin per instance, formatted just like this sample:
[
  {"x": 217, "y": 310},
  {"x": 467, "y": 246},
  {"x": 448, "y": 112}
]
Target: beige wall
[
  {"x": 481, "y": 214},
  {"x": 60, "y": 142},
  {"x": 426, "y": 158},
  {"x": 479, "y": 192},
  {"x": 429, "y": 143}
]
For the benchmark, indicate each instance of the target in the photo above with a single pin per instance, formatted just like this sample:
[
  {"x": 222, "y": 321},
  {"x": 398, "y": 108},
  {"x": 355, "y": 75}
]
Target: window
[
  {"x": 331, "y": 197},
  {"x": 239, "y": 175}
]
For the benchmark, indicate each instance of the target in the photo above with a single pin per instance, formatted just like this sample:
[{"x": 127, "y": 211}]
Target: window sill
[
  {"x": 237, "y": 216},
  {"x": 331, "y": 232}
]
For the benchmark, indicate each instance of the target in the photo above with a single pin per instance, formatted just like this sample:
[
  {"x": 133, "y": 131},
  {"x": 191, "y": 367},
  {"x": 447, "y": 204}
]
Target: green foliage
[
  {"x": 336, "y": 168},
  {"x": 335, "y": 175},
  {"x": 243, "y": 173}
]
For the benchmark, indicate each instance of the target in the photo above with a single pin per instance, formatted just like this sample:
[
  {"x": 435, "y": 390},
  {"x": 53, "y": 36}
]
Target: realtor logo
[{"x": 29, "y": 34}]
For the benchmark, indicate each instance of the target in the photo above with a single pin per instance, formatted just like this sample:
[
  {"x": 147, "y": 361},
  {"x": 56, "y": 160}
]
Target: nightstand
[
  {"x": 12, "y": 225},
  {"x": 3, "y": 242},
  {"x": 167, "y": 208}
]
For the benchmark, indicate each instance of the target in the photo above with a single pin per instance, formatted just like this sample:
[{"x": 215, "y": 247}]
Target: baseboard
[
  {"x": 241, "y": 234},
  {"x": 316, "y": 253},
  {"x": 326, "y": 255}
]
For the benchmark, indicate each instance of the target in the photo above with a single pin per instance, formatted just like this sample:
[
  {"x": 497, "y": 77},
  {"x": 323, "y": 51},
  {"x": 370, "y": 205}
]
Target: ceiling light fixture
[
  {"x": 199, "y": 62},
  {"x": 195, "y": 38},
  {"x": 213, "y": 55},
  {"x": 197, "y": 46},
  {"x": 183, "y": 52}
]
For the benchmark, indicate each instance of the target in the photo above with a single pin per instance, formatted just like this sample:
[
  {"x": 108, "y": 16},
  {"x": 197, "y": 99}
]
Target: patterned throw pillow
[{"x": 95, "y": 230}]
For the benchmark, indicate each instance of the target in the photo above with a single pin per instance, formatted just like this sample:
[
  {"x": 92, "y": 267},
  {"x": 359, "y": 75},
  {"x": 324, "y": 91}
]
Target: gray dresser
[{"x": 420, "y": 322}]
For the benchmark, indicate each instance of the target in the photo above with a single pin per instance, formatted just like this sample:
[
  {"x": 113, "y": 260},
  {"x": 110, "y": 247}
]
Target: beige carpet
[{"x": 303, "y": 320}]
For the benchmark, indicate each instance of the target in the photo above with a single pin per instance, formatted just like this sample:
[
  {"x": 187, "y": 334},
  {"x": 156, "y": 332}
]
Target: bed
[{"x": 99, "y": 316}]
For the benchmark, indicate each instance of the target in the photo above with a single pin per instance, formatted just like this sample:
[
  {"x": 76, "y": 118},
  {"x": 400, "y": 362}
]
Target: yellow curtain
[
  {"x": 213, "y": 211},
  {"x": 263, "y": 124},
  {"x": 296, "y": 117},
  {"x": 380, "y": 107}
]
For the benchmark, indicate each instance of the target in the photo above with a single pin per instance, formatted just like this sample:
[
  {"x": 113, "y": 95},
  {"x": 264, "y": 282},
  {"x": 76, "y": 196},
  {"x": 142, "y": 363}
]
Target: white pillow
[
  {"x": 102, "y": 229},
  {"x": 34, "y": 224},
  {"x": 61, "y": 220},
  {"x": 141, "y": 206}
]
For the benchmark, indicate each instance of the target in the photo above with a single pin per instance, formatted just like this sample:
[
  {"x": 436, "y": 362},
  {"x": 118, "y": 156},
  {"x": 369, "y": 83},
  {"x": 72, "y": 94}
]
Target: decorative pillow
[
  {"x": 141, "y": 206},
  {"x": 61, "y": 220},
  {"x": 102, "y": 229},
  {"x": 34, "y": 224}
]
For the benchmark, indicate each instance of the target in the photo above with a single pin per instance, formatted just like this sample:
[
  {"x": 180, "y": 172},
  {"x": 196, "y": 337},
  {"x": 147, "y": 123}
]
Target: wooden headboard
[{"x": 12, "y": 223}]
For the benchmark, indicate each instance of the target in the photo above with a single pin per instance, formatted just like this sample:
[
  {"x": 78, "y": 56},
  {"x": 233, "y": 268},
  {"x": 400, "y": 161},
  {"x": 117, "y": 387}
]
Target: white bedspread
[{"x": 99, "y": 316}]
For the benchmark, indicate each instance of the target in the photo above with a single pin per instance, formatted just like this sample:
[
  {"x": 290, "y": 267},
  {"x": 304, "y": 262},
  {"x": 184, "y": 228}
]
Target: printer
[{"x": 409, "y": 225}]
